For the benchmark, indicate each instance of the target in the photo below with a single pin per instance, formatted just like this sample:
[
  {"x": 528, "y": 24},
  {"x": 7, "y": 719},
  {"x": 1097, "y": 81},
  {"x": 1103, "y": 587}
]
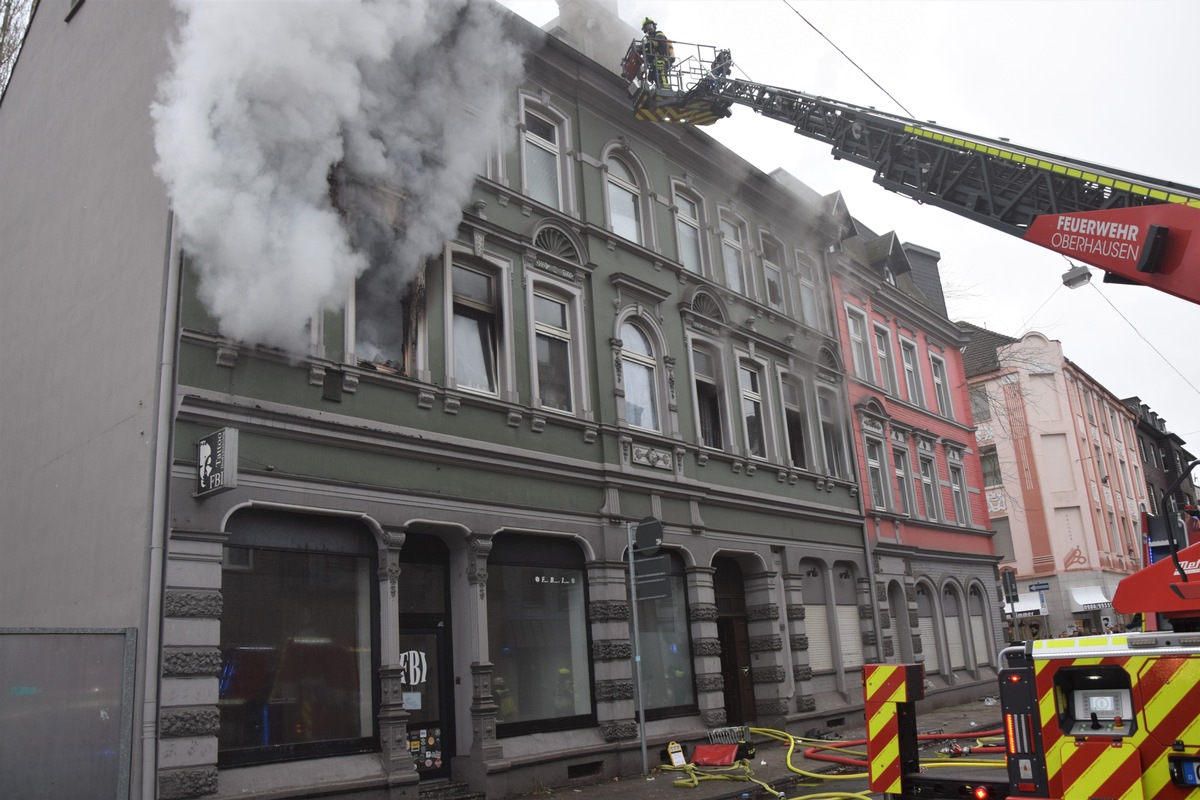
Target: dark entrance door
[
  {"x": 734, "y": 634},
  {"x": 425, "y": 657}
]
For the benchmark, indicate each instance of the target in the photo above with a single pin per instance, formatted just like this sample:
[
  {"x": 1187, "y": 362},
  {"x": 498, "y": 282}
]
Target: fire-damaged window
[
  {"x": 386, "y": 310},
  {"x": 476, "y": 328},
  {"x": 772, "y": 259},
  {"x": 387, "y": 317}
]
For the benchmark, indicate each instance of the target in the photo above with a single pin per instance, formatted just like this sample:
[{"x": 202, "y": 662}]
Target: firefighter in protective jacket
[{"x": 658, "y": 52}]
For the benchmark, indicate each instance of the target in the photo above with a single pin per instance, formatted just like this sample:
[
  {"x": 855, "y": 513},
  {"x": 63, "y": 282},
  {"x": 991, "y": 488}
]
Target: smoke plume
[{"x": 265, "y": 98}]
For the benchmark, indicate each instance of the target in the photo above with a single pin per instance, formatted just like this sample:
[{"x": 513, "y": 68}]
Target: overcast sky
[{"x": 1107, "y": 82}]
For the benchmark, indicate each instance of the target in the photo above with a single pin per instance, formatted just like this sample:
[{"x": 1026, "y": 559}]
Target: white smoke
[{"x": 265, "y": 97}]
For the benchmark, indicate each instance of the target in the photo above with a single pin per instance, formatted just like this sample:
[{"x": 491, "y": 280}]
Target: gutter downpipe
[
  {"x": 869, "y": 558},
  {"x": 164, "y": 441}
]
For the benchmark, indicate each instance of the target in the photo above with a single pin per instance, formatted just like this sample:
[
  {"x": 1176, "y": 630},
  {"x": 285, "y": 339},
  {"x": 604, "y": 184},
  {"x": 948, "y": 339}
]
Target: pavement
[{"x": 771, "y": 766}]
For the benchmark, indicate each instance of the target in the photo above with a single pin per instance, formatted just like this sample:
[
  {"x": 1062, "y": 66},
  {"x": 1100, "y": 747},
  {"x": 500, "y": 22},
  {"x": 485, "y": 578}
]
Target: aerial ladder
[
  {"x": 1112, "y": 717},
  {"x": 1136, "y": 229}
]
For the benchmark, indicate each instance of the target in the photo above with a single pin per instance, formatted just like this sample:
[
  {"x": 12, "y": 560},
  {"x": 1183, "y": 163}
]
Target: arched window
[
  {"x": 639, "y": 364},
  {"x": 624, "y": 200},
  {"x": 925, "y": 626},
  {"x": 816, "y": 616},
  {"x": 979, "y": 633},
  {"x": 845, "y": 592},
  {"x": 952, "y": 611}
]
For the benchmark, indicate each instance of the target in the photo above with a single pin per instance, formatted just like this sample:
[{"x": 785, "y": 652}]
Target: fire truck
[{"x": 1113, "y": 717}]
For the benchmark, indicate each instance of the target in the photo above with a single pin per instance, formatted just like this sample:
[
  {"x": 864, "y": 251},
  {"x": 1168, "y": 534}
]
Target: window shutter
[
  {"x": 928, "y": 644},
  {"x": 954, "y": 643},
  {"x": 979, "y": 638},
  {"x": 850, "y": 636},
  {"x": 816, "y": 622}
]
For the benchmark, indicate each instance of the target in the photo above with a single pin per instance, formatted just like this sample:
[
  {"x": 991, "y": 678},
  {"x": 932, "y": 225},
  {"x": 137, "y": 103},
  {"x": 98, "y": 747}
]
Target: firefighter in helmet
[{"x": 658, "y": 52}]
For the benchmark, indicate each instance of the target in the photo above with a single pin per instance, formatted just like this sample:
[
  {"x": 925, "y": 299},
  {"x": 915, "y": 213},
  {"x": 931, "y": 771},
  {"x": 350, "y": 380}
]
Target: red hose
[{"x": 817, "y": 752}]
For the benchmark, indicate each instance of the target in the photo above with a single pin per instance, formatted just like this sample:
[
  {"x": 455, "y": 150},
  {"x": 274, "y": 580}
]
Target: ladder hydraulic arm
[{"x": 1136, "y": 229}]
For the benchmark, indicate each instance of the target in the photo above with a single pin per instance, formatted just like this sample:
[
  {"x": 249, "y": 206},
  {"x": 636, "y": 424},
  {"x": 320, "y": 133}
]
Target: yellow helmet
[{"x": 647, "y": 22}]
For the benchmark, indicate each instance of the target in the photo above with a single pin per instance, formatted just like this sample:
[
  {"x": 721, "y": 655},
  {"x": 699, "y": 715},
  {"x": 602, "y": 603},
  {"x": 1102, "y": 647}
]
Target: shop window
[
  {"x": 537, "y": 634},
  {"x": 665, "y": 646},
  {"x": 298, "y": 644}
]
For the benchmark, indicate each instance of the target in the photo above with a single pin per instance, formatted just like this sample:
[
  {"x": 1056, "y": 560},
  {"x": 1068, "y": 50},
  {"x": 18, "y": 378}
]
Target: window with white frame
[
  {"x": 732, "y": 253},
  {"x": 833, "y": 438},
  {"x": 883, "y": 354},
  {"x": 904, "y": 482},
  {"x": 912, "y": 373},
  {"x": 876, "y": 472},
  {"x": 555, "y": 315},
  {"x": 860, "y": 349},
  {"x": 624, "y": 200},
  {"x": 795, "y": 418},
  {"x": 543, "y": 156},
  {"x": 958, "y": 488},
  {"x": 476, "y": 328},
  {"x": 706, "y": 368},
  {"x": 772, "y": 272},
  {"x": 929, "y": 488},
  {"x": 750, "y": 383},
  {"x": 941, "y": 386},
  {"x": 688, "y": 225},
  {"x": 639, "y": 364},
  {"x": 806, "y": 277}
]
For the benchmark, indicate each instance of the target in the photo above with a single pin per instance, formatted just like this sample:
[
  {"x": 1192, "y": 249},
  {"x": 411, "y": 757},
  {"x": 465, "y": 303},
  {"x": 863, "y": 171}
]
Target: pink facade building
[
  {"x": 1063, "y": 482},
  {"x": 918, "y": 464}
]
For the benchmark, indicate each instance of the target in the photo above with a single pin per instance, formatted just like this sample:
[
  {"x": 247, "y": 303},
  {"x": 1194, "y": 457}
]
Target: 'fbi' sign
[{"x": 217, "y": 457}]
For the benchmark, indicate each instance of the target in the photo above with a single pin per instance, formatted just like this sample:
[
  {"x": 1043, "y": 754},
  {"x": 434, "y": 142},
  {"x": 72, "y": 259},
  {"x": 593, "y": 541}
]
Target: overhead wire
[{"x": 847, "y": 57}]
